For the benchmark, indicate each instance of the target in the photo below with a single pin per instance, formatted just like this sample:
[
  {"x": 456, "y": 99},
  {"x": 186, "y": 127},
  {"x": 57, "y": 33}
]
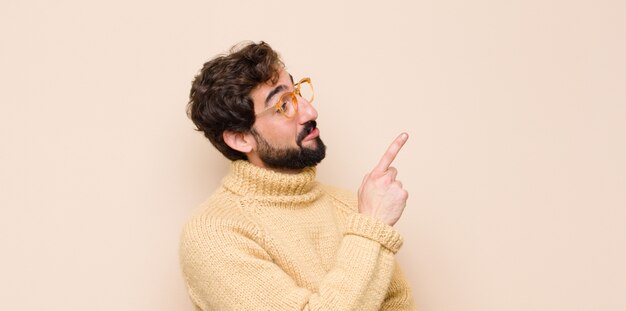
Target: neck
[
  {"x": 247, "y": 179},
  {"x": 255, "y": 160}
]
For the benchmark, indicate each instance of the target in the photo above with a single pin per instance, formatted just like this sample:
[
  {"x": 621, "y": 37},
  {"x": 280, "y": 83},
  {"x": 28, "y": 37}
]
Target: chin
[{"x": 310, "y": 144}]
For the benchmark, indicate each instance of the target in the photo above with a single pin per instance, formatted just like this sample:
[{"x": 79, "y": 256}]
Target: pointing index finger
[{"x": 391, "y": 153}]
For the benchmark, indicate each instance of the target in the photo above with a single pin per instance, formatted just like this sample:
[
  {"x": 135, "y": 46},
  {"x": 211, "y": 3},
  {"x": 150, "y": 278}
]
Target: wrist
[{"x": 374, "y": 229}]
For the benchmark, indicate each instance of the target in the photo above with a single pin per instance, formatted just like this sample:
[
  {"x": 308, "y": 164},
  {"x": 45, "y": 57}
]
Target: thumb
[{"x": 363, "y": 182}]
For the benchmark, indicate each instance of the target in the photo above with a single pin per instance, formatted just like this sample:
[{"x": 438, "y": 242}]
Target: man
[{"x": 272, "y": 237}]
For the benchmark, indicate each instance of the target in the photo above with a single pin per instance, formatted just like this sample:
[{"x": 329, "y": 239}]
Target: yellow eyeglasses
[{"x": 287, "y": 104}]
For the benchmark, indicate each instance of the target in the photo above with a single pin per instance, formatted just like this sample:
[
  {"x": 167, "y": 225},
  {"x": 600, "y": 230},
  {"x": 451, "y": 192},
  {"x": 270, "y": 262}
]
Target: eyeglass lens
[{"x": 288, "y": 105}]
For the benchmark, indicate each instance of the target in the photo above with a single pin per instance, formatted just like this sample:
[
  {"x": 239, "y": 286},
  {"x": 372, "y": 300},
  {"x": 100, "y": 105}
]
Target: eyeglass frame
[{"x": 293, "y": 94}]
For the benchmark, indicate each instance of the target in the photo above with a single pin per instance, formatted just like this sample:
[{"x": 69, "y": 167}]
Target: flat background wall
[{"x": 515, "y": 166}]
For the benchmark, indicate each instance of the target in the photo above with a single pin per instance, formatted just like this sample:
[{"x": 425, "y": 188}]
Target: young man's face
[{"x": 281, "y": 142}]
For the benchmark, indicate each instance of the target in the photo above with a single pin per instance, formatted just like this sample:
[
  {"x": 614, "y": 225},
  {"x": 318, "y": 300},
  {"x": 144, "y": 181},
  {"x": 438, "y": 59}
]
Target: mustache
[{"x": 308, "y": 127}]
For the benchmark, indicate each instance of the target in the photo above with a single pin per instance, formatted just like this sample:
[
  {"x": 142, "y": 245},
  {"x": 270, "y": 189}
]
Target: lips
[
  {"x": 309, "y": 132},
  {"x": 312, "y": 134}
]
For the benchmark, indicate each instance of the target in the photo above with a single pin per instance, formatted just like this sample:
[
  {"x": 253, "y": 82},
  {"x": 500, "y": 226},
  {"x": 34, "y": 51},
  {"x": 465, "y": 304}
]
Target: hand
[{"x": 381, "y": 196}]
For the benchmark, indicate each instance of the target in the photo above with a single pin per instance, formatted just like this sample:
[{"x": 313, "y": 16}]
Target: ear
[{"x": 242, "y": 142}]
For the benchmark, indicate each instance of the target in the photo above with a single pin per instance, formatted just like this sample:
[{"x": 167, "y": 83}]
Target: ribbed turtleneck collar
[{"x": 248, "y": 179}]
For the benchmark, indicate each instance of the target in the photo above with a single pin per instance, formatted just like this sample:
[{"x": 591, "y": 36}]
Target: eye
[
  {"x": 279, "y": 108},
  {"x": 283, "y": 105}
]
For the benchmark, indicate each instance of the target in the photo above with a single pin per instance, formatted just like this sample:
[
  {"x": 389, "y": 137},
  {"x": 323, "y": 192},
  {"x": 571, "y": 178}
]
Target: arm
[
  {"x": 227, "y": 267},
  {"x": 383, "y": 197},
  {"x": 399, "y": 296}
]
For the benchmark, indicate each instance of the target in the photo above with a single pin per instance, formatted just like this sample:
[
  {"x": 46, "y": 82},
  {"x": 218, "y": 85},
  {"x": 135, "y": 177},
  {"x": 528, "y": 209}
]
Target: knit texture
[{"x": 271, "y": 241}]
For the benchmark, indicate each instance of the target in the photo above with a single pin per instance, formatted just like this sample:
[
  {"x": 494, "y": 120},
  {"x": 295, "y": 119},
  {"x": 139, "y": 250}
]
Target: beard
[{"x": 291, "y": 158}]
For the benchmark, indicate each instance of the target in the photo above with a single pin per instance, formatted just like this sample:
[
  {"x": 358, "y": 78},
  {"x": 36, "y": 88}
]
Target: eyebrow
[
  {"x": 276, "y": 90},
  {"x": 272, "y": 93}
]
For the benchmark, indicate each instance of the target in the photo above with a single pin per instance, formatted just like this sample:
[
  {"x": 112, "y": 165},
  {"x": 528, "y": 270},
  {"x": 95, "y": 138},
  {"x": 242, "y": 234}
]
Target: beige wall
[{"x": 515, "y": 165}]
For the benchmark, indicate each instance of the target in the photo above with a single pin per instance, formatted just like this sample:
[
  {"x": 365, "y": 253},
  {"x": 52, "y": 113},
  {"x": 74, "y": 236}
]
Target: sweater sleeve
[
  {"x": 227, "y": 268},
  {"x": 399, "y": 296}
]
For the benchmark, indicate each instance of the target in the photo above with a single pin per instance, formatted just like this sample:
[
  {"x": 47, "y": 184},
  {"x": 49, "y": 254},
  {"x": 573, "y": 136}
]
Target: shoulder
[
  {"x": 345, "y": 198},
  {"x": 217, "y": 220}
]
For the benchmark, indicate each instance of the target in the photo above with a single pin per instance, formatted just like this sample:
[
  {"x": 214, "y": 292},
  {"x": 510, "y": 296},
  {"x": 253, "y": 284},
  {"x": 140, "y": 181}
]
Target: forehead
[
  {"x": 284, "y": 78},
  {"x": 260, "y": 93}
]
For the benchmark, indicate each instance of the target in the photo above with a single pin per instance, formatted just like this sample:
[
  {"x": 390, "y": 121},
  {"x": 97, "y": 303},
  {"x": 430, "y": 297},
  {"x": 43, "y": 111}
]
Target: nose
[{"x": 306, "y": 111}]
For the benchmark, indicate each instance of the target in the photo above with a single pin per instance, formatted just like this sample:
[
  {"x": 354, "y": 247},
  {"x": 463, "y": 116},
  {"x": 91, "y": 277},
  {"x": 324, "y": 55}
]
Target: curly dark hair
[{"x": 220, "y": 100}]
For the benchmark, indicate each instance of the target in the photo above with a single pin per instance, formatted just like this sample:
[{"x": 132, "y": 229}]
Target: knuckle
[
  {"x": 387, "y": 180},
  {"x": 399, "y": 184},
  {"x": 404, "y": 194}
]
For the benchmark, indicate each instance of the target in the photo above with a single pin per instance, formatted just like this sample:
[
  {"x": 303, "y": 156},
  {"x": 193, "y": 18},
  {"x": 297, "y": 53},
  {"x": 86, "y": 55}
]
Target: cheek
[{"x": 279, "y": 133}]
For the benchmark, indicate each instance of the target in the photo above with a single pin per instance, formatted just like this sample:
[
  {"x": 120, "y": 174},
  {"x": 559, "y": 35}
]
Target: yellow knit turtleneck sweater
[{"x": 271, "y": 241}]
